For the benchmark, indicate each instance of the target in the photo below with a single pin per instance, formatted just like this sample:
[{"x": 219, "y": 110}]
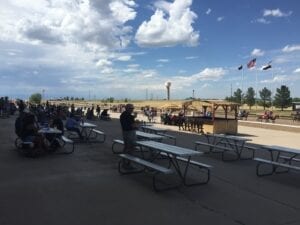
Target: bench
[
  {"x": 97, "y": 133},
  {"x": 221, "y": 149},
  {"x": 118, "y": 142},
  {"x": 68, "y": 141},
  {"x": 249, "y": 147},
  {"x": 203, "y": 166},
  {"x": 147, "y": 166},
  {"x": 275, "y": 165},
  {"x": 19, "y": 143},
  {"x": 168, "y": 136},
  {"x": 286, "y": 158},
  {"x": 71, "y": 134}
]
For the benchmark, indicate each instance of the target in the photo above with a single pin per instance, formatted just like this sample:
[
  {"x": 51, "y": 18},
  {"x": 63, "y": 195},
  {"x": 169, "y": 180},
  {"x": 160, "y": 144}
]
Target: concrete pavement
[{"x": 85, "y": 188}]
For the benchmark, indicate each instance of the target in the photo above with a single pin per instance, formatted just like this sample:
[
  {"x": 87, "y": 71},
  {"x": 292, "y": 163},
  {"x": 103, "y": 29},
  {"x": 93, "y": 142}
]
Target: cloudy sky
[{"x": 130, "y": 49}]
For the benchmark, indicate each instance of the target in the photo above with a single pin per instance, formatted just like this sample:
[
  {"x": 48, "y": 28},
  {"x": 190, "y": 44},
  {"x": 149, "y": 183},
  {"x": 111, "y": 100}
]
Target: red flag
[{"x": 251, "y": 63}]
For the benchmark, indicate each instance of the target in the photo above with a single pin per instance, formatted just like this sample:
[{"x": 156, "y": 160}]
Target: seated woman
[{"x": 73, "y": 125}]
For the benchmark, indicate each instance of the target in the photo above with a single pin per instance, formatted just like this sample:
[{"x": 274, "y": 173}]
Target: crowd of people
[{"x": 7, "y": 107}]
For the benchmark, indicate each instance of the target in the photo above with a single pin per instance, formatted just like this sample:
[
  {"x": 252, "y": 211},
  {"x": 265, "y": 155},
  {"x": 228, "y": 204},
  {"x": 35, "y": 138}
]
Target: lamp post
[{"x": 43, "y": 94}]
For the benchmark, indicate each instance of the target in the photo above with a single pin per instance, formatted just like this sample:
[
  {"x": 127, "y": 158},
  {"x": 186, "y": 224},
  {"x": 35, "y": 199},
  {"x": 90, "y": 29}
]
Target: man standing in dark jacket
[{"x": 128, "y": 128}]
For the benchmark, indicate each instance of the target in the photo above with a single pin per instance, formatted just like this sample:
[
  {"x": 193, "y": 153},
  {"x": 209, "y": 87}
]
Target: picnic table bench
[
  {"x": 280, "y": 157},
  {"x": 147, "y": 166},
  {"x": 173, "y": 155},
  {"x": 221, "y": 143},
  {"x": 64, "y": 143},
  {"x": 97, "y": 136}
]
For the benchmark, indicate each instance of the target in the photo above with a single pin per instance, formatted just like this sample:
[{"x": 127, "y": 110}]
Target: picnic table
[
  {"x": 221, "y": 143},
  {"x": 175, "y": 156},
  {"x": 140, "y": 136},
  {"x": 86, "y": 129},
  {"x": 57, "y": 137},
  {"x": 149, "y": 136},
  {"x": 152, "y": 129},
  {"x": 89, "y": 132},
  {"x": 158, "y": 131},
  {"x": 49, "y": 130},
  {"x": 280, "y": 157}
]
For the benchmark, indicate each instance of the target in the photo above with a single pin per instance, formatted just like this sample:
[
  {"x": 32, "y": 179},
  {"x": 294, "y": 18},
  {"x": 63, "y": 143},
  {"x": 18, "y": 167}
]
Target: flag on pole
[
  {"x": 268, "y": 66},
  {"x": 240, "y": 67},
  {"x": 251, "y": 63}
]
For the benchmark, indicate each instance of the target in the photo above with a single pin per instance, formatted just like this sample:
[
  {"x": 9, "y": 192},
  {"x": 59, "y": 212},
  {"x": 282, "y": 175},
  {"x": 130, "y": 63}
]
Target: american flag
[{"x": 251, "y": 63}]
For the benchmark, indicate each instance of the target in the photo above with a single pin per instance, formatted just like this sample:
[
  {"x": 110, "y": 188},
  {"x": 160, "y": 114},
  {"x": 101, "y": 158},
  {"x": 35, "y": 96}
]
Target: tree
[
  {"x": 282, "y": 98},
  {"x": 237, "y": 96},
  {"x": 265, "y": 95},
  {"x": 35, "y": 98},
  {"x": 249, "y": 97}
]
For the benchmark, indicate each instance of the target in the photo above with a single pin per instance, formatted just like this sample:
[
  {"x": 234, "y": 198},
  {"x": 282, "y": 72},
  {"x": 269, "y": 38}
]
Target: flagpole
[
  {"x": 242, "y": 79},
  {"x": 272, "y": 92},
  {"x": 256, "y": 89}
]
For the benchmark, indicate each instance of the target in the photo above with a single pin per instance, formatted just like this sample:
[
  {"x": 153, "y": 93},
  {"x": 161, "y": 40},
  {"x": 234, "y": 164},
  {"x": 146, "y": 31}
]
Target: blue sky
[{"x": 130, "y": 49}]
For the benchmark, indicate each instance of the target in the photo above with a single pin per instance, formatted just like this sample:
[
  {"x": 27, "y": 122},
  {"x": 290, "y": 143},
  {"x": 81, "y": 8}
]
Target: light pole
[
  {"x": 43, "y": 94},
  {"x": 168, "y": 85}
]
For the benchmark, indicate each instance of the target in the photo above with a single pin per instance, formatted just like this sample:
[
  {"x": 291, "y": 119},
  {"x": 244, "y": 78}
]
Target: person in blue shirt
[{"x": 73, "y": 125}]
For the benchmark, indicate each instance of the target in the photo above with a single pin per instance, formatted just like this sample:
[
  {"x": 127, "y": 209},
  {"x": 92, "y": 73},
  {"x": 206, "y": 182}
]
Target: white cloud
[
  {"x": 103, "y": 62},
  {"x": 133, "y": 65},
  {"x": 257, "y": 52},
  {"x": 191, "y": 57},
  {"x": 208, "y": 11},
  {"x": 107, "y": 70},
  {"x": 276, "y": 13},
  {"x": 124, "y": 58},
  {"x": 163, "y": 60},
  {"x": 211, "y": 74},
  {"x": 95, "y": 25},
  {"x": 263, "y": 20},
  {"x": 297, "y": 70},
  {"x": 219, "y": 19},
  {"x": 291, "y": 48},
  {"x": 171, "y": 24}
]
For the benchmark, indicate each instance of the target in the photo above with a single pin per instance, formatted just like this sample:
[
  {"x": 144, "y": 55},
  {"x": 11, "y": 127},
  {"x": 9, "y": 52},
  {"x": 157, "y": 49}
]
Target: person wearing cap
[{"x": 129, "y": 126}]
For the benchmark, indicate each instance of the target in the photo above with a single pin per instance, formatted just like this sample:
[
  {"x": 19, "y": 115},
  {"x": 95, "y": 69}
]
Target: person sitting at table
[
  {"x": 30, "y": 134},
  {"x": 104, "y": 115},
  {"x": 56, "y": 122},
  {"x": 129, "y": 127},
  {"x": 73, "y": 125}
]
